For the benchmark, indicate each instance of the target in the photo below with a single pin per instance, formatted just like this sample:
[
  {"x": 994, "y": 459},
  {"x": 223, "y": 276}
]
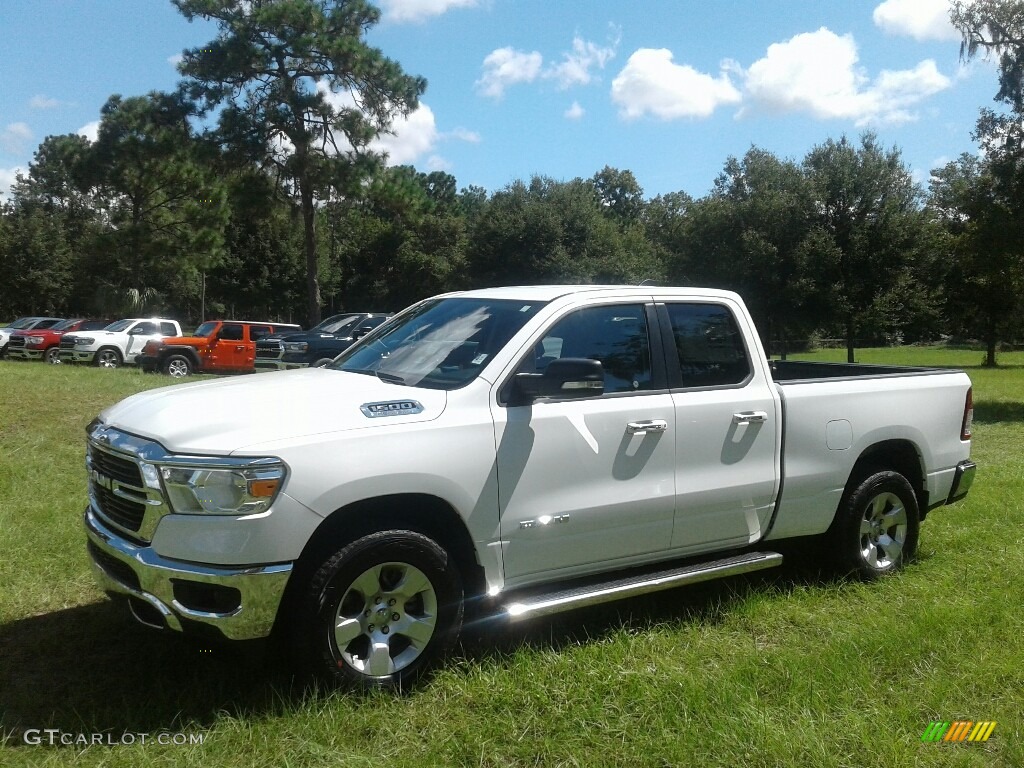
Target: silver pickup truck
[{"x": 529, "y": 449}]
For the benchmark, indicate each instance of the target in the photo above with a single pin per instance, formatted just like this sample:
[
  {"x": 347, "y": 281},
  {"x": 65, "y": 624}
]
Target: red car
[{"x": 44, "y": 344}]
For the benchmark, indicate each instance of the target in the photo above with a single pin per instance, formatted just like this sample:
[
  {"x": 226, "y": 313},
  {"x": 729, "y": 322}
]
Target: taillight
[{"x": 965, "y": 427}]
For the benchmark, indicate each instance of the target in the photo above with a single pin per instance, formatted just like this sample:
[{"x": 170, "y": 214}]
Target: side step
[{"x": 555, "y": 602}]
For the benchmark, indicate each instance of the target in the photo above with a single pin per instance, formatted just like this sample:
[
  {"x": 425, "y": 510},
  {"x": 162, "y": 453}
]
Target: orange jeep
[{"x": 218, "y": 346}]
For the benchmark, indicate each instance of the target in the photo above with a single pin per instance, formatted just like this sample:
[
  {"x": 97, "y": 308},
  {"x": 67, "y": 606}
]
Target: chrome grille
[
  {"x": 272, "y": 351},
  {"x": 119, "y": 510},
  {"x": 122, "y": 469},
  {"x": 67, "y": 342},
  {"x": 16, "y": 342}
]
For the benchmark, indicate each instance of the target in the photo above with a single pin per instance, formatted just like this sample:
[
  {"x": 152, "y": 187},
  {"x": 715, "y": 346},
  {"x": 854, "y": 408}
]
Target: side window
[
  {"x": 257, "y": 332},
  {"x": 710, "y": 345},
  {"x": 145, "y": 329},
  {"x": 615, "y": 335},
  {"x": 46, "y": 324},
  {"x": 168, "y": 329},
  {"x": 93, "y": 325},
  {"x": 230, "y": 332}
]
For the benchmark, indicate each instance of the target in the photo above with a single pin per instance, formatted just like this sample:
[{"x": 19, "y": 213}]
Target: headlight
[
  {"x": 34, "y": 341},
  {"x": 82, "y": 341},
  {"x": 198, "y": 491},
  {"x": 296, "y": 347}
]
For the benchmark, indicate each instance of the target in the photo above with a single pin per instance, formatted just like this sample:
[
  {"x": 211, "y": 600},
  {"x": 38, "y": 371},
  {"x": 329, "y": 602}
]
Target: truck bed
[{"x": 793, "y": 371}]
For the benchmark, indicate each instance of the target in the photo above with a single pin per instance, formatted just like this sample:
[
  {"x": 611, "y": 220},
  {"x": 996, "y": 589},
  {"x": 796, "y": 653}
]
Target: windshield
[
  {"x": 440, "y": 344},
  {"x": 334, "y": 322},
  {"x": 206, "y": 328},
  {"x": 345, "y": 325},
  {"x": 25, "y": 322},
  {"x": 120, "y": 325},
  {"x": 64, "y": 325}
]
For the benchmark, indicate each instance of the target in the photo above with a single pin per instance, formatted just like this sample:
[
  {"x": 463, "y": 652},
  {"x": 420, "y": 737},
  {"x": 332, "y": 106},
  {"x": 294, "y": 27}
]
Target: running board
[{"x": 555, "y": 602}]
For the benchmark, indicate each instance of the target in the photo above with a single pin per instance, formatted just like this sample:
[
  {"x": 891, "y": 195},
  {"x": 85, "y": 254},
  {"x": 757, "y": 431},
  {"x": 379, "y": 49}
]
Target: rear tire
[
  {"x": 876, "y": 528},
  {"x": 177, "y": 366},
  {"x": 381, "y": 611}
]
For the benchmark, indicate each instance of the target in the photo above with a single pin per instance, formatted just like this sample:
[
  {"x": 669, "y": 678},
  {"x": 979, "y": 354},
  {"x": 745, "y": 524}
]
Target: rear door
[
  {"x": 581, "y": 482},
  {"x": 727, "y": 436}
]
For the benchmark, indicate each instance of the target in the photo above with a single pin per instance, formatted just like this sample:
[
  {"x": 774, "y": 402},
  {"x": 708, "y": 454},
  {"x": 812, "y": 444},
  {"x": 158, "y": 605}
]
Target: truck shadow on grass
[{"x": 92, "y": 669}]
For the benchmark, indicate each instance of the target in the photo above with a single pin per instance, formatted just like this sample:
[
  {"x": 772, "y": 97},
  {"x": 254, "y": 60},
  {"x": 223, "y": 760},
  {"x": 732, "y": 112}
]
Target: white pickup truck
[
  {"x": 526, "y": 449},
  {"x": 118, "y": 343}
]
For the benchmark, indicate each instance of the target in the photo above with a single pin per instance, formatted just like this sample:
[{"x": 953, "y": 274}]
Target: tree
[
  {"x": 164, "y": 201},
  {"x": 995, "y": 27},
  {"x": 986, "y": 277},
  {"x": 302, "y": 91},
  {"x": 867, "y": 210}
]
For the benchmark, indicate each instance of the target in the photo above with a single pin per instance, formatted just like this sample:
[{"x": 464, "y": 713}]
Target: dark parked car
[{"x": 316, "y": 346}]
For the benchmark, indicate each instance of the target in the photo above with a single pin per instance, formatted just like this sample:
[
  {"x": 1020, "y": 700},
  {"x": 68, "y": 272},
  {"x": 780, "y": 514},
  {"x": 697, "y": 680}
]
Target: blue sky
[{"x": 665, "y": 88}]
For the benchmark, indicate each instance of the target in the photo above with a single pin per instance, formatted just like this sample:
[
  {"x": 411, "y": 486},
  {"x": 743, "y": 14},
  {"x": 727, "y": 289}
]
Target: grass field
[{"x": 784, "y": 668}]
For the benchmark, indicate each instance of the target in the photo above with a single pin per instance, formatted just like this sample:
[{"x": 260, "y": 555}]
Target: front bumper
[
  {"x": 76, "y": 356},
  {"x": 25, "y": 354},
  {"x": 241, "y": 602},
  {"x": 962, "y": 481}
]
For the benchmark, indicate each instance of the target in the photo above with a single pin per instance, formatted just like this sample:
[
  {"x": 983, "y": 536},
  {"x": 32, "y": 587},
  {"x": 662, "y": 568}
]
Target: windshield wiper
[{"x": 390, "y": 378}]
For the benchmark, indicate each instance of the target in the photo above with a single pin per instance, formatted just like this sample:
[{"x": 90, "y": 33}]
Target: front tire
[
  {"x": 108, "y": 358},
  {"x": 177, "y": 366},
  {"x": 52, "y": 356},
  {"x": 382, "y": 611},
  {"x": 876, "y": 527}
]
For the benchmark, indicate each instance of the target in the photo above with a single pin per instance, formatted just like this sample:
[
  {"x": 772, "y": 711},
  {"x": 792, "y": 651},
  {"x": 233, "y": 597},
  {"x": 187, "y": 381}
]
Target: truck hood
[{"x": 228, "y": 415}]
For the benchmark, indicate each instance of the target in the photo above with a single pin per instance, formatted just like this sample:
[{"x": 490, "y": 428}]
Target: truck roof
[{"x": 551, "y": 292}]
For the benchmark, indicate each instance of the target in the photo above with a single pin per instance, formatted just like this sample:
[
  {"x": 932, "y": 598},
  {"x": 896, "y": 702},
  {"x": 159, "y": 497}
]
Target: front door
[
  {"x": 229, "y": 349},
  {"x": 589, "y": 481}
]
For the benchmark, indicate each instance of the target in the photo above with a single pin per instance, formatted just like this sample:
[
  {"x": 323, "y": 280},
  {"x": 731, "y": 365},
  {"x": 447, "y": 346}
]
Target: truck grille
[
  {"x": 118, "y": 493},
  {"x": 67, "y": 342},
  {"x": 268, "y": 351},
  {"x": 124, "y": 470},
  {"x": 16, "y": 342},
  {"x": 119, "y": 510}
]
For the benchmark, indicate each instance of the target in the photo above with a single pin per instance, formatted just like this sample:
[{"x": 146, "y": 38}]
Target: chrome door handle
[
  {"x": 643, "y": 427},
  {"x": 749, "y": 417}
]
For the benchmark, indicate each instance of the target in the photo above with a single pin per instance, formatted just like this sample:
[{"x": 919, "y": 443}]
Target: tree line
[{"x": 251, "y": 191}]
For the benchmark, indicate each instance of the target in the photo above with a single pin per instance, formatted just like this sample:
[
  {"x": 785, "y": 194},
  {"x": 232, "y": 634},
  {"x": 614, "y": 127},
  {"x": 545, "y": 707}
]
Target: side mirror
[{"x": 565, "y": 378}]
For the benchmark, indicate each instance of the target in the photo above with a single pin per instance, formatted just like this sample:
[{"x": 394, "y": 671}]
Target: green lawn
[{"x": 782, "y": 668}]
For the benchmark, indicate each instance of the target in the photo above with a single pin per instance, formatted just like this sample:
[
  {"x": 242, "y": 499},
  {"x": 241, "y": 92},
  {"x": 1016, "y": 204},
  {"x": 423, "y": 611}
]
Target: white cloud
[
  {"x": 175, "y": 60},
  {"x": 90, "y": 130},
  {"x": 410, "y": 137},
  {"x": 919, "y": 19},
  {"x": 463, "y": 134},
  {"x": 438, "y": 163},
  {"x": 420, "y": 10},
  {"x": 575, "y": 112},
  {"x": 7, "y": 178},
  {"x": 576, "y": 66},
  {"x": 652, "y": 84},
  {"x": 15, "y": 137},
  {"x": 506, "y": 66},
  {"x": 817, "y": 73},
  {"x": 40, "y": 101}
]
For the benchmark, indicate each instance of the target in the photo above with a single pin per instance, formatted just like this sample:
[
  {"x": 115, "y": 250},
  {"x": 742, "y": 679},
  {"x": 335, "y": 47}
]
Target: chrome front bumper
[
  {"x": 74, "y": 356},
  {"x": 169, "y": 594}
]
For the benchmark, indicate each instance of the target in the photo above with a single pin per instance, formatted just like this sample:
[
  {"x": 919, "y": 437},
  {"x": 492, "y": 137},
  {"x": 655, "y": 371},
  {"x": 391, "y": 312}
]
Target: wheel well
[
  {"x": 429, "y": 515},
  {"x": 899, "y": 456},
  {"x": 120, "y": 354}
]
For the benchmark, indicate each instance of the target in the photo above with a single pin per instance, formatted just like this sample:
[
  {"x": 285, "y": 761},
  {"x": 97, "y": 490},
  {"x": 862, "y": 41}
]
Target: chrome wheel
[
  {"x": 385, "y": 619},
  {"x": 883, "y": 531},
  {"x": 52, "y": 356},
  {"x": 178, "y": 368},
  {"x": 108, "y": 358}
]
